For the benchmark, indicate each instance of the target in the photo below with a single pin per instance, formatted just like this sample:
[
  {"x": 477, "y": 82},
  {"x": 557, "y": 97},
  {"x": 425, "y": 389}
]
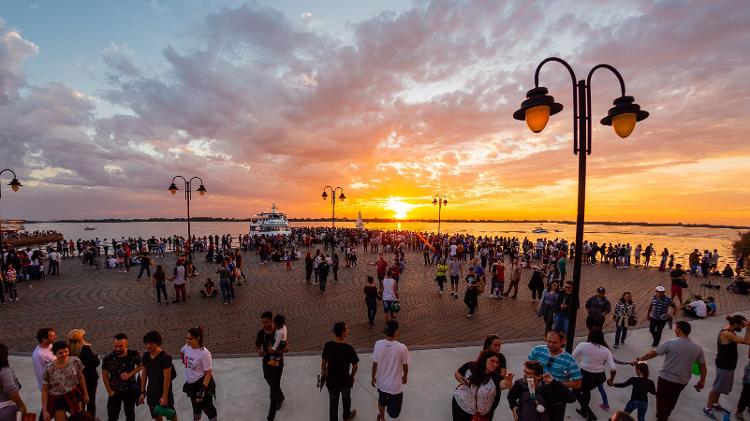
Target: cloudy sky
[{"x": 103, "y": 102}]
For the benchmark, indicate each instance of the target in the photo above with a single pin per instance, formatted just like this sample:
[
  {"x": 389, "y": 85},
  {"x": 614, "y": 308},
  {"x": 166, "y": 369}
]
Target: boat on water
[
  {"x": 360, "y": 225},
  {"x": 539, "y": 230},
  {"x": 88, "y": 227},
  {"x": 270, "y": 224}
]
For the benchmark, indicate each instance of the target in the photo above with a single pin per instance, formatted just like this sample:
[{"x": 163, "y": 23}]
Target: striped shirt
[
  {"x": 659, "y": 307},
  {"x": 563, "y": 367}
]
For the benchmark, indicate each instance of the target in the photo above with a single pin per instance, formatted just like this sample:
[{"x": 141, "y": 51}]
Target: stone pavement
[
  {"x": 104, "y": 302},
  {"x": 242, "y": 392}
]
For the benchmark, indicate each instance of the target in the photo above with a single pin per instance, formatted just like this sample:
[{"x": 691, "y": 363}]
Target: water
[{"x": 679, "y": 240}]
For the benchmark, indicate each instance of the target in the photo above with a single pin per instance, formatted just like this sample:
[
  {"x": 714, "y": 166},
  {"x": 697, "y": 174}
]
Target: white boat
[
  {"x": 89, "y": 227},
  {"x": 360, "y": 225},
  {"x": 270, "y": 224},
  {"x": 539, "y": 230}
]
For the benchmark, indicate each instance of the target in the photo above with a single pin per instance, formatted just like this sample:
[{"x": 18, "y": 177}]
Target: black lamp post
[
  {"x": 15, "y": 185},
  {"x": 537, "y": 109},
  {"x": 440, "y": 200},
  {"x": 188, "y": 195},
  {"x": 342, "y": 197}
]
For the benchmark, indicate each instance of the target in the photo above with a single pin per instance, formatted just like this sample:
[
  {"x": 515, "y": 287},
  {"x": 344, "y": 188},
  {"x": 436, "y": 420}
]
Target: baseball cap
[
  {"x": 600, "y": 289},
  {"x": 660, "y": 288}
]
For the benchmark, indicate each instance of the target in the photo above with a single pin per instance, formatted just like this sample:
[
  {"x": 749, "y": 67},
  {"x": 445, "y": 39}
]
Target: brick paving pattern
[{"x": 104, "y": 302}]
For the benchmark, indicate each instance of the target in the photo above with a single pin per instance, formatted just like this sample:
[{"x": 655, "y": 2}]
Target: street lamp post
[
  {"x": 14, "y": 185},
  {"x": 333, "y": 191},
  {"x": 440, "y": 200},
  {"x": 188, "y": 195},
  {"x": 537, "y": 109}
]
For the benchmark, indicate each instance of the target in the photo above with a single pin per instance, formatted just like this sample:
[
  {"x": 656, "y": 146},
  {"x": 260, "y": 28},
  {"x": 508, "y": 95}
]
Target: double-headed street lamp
[
  {"x": 342, "y": 197},
  {"x": 440, "y": 200},
  {"x": 14, "y": 185},
  {"x": 537, "y": 109},
  {"x": 188, "y": 195}
]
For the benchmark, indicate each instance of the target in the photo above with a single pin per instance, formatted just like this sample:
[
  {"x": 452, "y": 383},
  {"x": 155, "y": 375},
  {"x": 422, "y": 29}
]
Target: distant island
[{"x": 391, "y": 220}]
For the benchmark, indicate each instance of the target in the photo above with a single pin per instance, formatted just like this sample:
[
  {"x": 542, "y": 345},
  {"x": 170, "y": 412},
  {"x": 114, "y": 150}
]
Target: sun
[{"x": 401, "y": 209}]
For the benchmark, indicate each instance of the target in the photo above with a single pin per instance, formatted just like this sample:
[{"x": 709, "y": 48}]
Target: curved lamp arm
[
  {"x": 575, "y": 92},
  {"x": 588, "y": 96}
]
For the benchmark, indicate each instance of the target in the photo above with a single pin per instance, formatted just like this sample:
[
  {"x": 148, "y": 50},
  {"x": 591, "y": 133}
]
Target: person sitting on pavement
[
  {"x": 739, "y": 286},
  {"x": 696, "y": 308},
  {"x": 209, "y": 289}
]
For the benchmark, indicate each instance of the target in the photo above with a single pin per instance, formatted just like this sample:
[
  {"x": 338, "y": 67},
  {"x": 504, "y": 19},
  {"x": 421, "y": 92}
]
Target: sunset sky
[{"x": 103, "y": 102}]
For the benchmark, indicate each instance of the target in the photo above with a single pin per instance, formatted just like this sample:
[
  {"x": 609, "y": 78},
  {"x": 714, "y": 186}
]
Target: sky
[{"x": 103, "y": 102}]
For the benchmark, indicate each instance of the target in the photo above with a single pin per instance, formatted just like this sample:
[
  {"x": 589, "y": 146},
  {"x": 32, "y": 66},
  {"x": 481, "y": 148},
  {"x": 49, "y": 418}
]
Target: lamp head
[
  {"x": 15, "y": 184},
  {"x": 173, "y": 189},
  {"x": 623, "y": 116},
  {"x": 201, "y": 190},
  {"x": 324, "y": 195},
  {"x": 445, "y": 202},
  {"x": 342, "y": 197},
  {"x": 434, "y": 201},
  {"x": 537, "y": 108}
]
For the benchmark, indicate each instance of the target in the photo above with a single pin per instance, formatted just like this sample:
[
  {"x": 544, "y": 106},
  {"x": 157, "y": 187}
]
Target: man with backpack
[{"x": 538, "y": 396}]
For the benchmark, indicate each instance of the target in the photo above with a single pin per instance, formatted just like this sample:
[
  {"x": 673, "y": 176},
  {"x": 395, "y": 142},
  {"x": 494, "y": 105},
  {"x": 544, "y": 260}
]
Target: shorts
[
  {"x": 723, "y": 381},
  {"x": 392, "y": 403},
  {"x": 387, "y": 305}
]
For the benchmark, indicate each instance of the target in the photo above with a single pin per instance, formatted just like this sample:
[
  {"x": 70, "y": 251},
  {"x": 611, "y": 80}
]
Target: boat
[
  {"x": 360, "y": 225},
  {"x": 89, "y": 227},
  {"x": 539, "y": 230},
  {"x": 270, "y": 223}
]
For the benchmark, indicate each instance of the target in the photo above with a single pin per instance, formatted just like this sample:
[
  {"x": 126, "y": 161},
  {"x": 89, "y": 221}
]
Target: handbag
[
  {"x": 632, "y": 320},
  {"x": 395, "y": 306}
]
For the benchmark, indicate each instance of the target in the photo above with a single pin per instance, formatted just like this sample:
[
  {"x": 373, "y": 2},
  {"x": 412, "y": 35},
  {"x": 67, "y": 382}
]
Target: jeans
[
  {"x": 161, "y": 289},
  {"x": 226, "y": 294},
  {"x": 656, "y": 326},
  {"x": 54, "y": 268},
  {"x": 333, "y": 398},
  {"x": 667, "y": 394},
  {"x": 589, "y": 382},
  {"x": 323, "y": 281},
  {"x": 273, "y": 378},
  {"x": 179, "y": 290},
  {"x": 125, "y": 399},
  {"x": 147, "y": 269},
  {"x": 561, "y": 322},
  {"x": 372, "y": 308},
  {"x": 470, "y": 298},
  {"x": 621, "y": 331},
  {"x": 641, "y": 406}
]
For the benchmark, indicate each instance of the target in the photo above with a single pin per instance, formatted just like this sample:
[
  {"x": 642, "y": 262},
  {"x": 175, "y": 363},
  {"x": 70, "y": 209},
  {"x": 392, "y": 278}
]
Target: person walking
[
  {"x": 561, "y": 365},
  {"x": 455, "y": 271},
  {"x": 371, "y": 299},
  {"x": 726, "y": 360},
  {"x": 479, "y": 385},
  {"x": 42, "y": 354},
  {"x": 308, "y": 267},
  {"x": 598, "y": 307},
  {"x": 338, "y": 357},
  {"x": 658, "y": 314},
  {"x": 440, "y": 276},
  {"x": 678, "y": 278},
  {"x": 63, "y": 385},
  {"x": 157, "y": 373},
  {"x": 547, "y": 305},
  {"x": 642, "y": 386},
  {"x": 564, "y": 307},
  {"x": 679, "y": 355},
  {"x": 273, "y": 363},
  {"x": 624, "y": 313},
  {"x": 390, "y": 369},
  {"x": 159, "y": 282},
  {"x": 119, "y": 369},
  {"x": 536, "y": 284},
  {"x": 390, "y": 296},
  {"x": 11, "y": 402},
  {"x": 199, "y": 386},
  {"x": 179, "y": 280},
  {"x": 515, "y": 278},
  {"x": 595, "y": 357},
  {"x": 83, "y": 350},
  {"x": 471, "y": 294}
]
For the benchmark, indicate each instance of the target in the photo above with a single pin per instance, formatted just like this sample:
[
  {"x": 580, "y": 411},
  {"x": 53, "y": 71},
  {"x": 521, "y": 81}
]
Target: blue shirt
[
  {"x": 563, "y": 367},
  {"x": 659, "y": 307},
  {"x": 479, "y": 270}
]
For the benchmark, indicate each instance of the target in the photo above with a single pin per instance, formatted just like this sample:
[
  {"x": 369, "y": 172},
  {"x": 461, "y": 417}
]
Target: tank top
[{"x": 726, "y": 354}]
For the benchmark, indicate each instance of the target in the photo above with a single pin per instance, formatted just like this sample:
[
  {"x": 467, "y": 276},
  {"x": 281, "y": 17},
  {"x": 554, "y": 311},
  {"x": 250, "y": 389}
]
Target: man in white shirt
[
  {"x": 390, "y": 367},
  {"x": 696, "y": 308},
  {"x": 42, "y": 354}
]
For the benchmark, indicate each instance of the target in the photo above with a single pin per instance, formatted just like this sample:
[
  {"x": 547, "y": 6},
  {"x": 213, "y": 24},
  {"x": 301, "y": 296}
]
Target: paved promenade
[
  {"x": 104, "y": 302},
  {"x": 242, "y": 392}
]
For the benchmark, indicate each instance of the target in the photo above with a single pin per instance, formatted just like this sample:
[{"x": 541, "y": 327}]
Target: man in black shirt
[
  {"x": 337, "y": 357},
  {"x": 157, "y": 369},
  {"x": 273, "y": 363},
  {"x": 118, "y": 374}
]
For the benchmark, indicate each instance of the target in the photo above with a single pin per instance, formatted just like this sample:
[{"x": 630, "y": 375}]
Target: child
[
  {"x": 710, "y": 306},
  {"x": 279, "y": 336},
  {"x": 642, "y": 386},
  {"x": 288, "y": 259}
]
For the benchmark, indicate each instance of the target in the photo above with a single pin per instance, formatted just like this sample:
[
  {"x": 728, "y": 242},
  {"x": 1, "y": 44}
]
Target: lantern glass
[
  {"x": 537, "y": 117},
  {"x": 624, "y": 124}
]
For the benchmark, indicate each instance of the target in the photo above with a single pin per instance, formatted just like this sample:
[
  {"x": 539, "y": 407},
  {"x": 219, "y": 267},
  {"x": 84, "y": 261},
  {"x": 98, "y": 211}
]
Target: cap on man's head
[
  {"x": 660, "y": 288},
  {"x": 600, "y": 289}
]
